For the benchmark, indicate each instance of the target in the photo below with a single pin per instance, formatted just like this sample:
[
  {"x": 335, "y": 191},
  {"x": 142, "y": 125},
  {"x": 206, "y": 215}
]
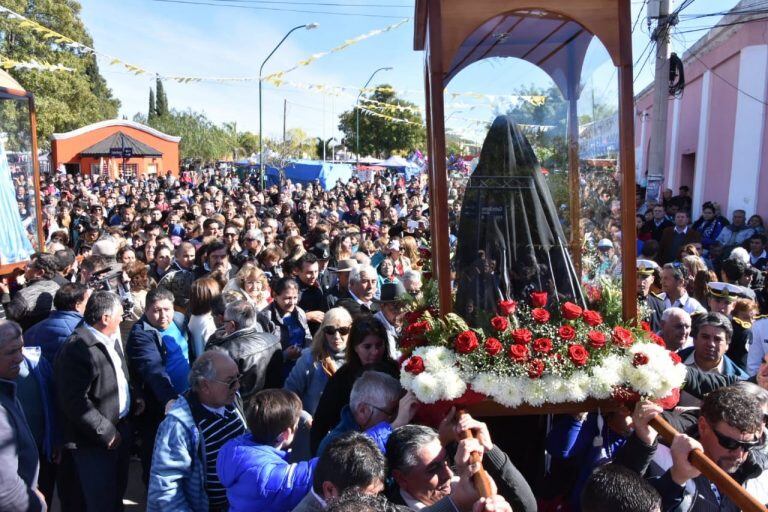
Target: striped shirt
[{"x": 216, "y": 430}]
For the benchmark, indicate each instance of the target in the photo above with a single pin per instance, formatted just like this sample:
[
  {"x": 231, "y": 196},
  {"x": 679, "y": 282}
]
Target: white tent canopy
[{"x": 396, "y": 161}]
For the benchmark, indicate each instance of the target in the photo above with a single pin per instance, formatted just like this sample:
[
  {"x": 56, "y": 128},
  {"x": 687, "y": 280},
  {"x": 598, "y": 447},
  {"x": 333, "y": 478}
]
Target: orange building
[{"x": 109, "y": 147}]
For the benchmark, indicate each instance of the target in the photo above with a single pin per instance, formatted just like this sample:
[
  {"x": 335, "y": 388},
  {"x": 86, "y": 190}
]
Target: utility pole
[
  {"x": 659, "y": 9},
  {"x": 285, "y": 110}
]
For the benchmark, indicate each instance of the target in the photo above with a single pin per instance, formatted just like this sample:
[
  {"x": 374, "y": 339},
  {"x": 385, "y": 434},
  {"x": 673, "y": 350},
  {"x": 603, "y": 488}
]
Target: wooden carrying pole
[
  {"x": 480, "y": 479},
  {"x": 712, "y": 471}
]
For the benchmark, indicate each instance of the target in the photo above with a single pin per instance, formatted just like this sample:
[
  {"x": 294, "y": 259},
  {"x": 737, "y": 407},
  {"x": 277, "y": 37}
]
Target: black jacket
[
  {"x": 86, "y": 387},
  {"x": 258, "y": 356},
  {"x": 271, "y": 320},
  {"x": 355, "y": 308}
]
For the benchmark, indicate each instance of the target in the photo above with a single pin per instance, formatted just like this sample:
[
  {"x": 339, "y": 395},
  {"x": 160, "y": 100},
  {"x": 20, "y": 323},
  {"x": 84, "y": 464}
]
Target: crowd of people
[{"x": 243, "y": 344}]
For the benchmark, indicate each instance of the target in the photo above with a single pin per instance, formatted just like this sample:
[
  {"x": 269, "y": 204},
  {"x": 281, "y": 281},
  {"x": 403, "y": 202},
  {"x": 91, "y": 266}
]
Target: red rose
[
  {"x": 535, "y": 368},
  {"x": 657, "y": 339},
  {"x": 425, "y": 253},
  {"x": 465, "y": 342},
  {"x": 493, "y": 346},
  {"x": 571, "y": 311},
  {"x": 675, "y": 358},
  {"x": 538, "y": 299},
  {"x": 415, "y": 365},
  {"x": 417, "y": 329},
  {"x": 578, "y": 354},
  {"x": 522, "y": 336},
  {"x": 540, "y": 315},
  {"x": 542, "y": 345},
  {"x": 645, "y": 326},
  {"x": 507, "y": 307},
  {"x": 413, "y": 316},
  {"x": 622, "y": 337},
  {"x": 427, "y": 276},
  {"x": 499, "y": 323},
  {"x": 640, "y": 359},
  {"x": 518, "y": 353},
  {"x": 592, "y": 318},
  {"x": 567, "y": 332},
  {"x": 596, "y": 339}
]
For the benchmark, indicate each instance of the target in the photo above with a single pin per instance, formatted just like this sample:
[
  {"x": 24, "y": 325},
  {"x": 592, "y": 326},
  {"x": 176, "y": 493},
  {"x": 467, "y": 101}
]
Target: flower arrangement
[{"x": 531, "y": 354}]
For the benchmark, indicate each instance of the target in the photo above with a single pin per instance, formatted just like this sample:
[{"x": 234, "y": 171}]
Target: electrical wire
[
  {"x": 276, "y": 9},
  {"x": 639, "y": 15},
  {"x": 710, "y": 27},
  {"x": 728, "y": 82},
  {"x": 642, "y": 67},
  {"x": 315, "y": 4}
]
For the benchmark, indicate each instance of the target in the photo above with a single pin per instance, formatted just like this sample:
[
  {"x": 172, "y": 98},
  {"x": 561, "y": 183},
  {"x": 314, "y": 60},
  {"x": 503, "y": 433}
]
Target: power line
[
  {"x": 314, "y": 4},
  {"x": 639, "y": 15},
  {"x": 710, "y": 27},
  {"x": 643, "y": 66},
  {"x": 727, "y": 81},
  {"x": 275, "y": 9}
]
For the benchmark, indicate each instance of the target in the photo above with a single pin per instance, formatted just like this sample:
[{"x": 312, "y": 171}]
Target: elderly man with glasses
[{"x": 183, "y": 474}]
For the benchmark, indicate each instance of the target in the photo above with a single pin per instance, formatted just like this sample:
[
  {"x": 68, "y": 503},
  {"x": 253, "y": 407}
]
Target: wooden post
[
  {"x": 574, "y": 178},
  {"x": 627, "y": 166},
  {"x": 36, "y": 173},
  {"x": 480, "y": 479},
  {"x": 438, "y": 177}
]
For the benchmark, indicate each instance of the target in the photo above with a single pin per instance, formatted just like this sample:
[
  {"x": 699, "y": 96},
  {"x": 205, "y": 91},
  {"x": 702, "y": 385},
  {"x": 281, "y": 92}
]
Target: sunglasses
[
  {"x": 230, "y": 234},
  {"x": 231, "y": 384},
  {"x": 331, "y": 330},
  {"x": 730, "y": 443}
]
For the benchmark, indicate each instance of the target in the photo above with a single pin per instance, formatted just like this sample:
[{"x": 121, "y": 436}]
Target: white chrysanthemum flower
[
  {"x": 486, "y": 383},
  {"x": 508, "y": 392},
  {"x": 658, "y": 377},
  {"x": 536, "y": 392},
  {"x": 557, "y": 389},
  {"x": 427, "y": 388},
  {"x": 453, "y": 385},
  {"x": 437, "y": 359},
  {"x": 406, "y": 378},
  {"x": 578, "y": 387}
]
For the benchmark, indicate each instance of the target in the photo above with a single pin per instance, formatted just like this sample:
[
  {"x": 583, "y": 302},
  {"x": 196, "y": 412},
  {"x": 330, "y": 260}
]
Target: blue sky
[{"x": 204, "y": 40}]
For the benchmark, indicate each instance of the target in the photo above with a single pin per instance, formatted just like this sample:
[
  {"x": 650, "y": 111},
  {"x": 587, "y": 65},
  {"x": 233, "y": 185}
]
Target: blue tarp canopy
[
  {"x": 307, "y": 171},
  {"x": 304, "y": 171}
]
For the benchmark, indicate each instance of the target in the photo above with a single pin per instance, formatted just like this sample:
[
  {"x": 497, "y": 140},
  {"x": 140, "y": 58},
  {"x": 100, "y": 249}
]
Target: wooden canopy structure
[
  {"x": 553, "y": 35},
  {"x": 11, "y": 90}
]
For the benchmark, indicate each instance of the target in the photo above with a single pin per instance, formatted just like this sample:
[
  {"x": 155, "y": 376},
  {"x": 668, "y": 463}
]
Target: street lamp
[
  {"x": 357, "y": 113},
  {"x": 308, "y": 26}
]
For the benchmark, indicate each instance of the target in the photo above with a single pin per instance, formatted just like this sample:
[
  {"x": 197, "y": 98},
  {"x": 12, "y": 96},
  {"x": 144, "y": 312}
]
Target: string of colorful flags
[{"x": 8, "y": 63}]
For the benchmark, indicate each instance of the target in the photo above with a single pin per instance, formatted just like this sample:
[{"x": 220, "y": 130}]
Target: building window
[{"x": 128, "y": 170}]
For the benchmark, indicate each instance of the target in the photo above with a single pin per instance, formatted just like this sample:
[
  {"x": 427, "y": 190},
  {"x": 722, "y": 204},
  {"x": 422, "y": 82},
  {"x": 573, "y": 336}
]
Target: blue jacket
[
  {"x": 43, "y": 374},
  {"x": 146, "y": 353},
  {"x": 177, "y": 479},
  {"x": 259, "y": 477},
  {"x": 51, "y": 333},
  {"x": 729, "y": 367},
  {"x": 307, "y": 379},
  {"x": 574, "y": 439},
  {"x": 379, "y": 433}
]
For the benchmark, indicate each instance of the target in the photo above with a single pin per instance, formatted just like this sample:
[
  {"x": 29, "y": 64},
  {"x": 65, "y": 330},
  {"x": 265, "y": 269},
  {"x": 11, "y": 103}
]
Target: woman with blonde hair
[
  {"x": 410, "y": 249},
  {"x": 316, "y": 365},
  {"x": 249, "y": 284}
]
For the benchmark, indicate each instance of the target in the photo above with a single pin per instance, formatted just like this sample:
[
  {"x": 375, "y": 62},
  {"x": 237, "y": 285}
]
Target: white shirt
[
  {"x": 754, "y": 259},
  {"x": 123, "y": 391},
  {"x": 685, "y": 302},
  {"x": 757, "y": 349},
  {"x": 359, "y": 300}
]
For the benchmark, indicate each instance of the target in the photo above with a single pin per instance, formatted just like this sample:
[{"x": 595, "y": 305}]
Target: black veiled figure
[{"x": 510, "y": 240}]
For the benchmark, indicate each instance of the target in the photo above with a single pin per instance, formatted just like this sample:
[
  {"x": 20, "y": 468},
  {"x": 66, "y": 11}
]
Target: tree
[
  {"x": 323, "y": 148},
  {"x": 152, "y": 111},
  {"x": 161, "y": 103},
  {"x": 379, "y": 136},
  {"x": 249, "y": 141},
  {"x": 64, "y": 100},
  {"x": 202, "y": 141}
]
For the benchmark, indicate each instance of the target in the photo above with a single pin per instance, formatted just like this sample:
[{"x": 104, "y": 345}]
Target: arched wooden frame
[
  {"x": 442, "y": 27},
  {"x": 17, "y": 94}
]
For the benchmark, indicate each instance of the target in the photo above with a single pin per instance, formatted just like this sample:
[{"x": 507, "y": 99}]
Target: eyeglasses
[
  {"x": 730, "y": 443},
  {"x": 231, "y": 384},
  {"x": 230, "y": 234},
  {"x": 330, "y": 330},
  {"x": 388, "y": 414}
]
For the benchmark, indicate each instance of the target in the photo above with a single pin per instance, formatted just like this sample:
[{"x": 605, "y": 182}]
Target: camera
[{"x": 113, "y": 279}]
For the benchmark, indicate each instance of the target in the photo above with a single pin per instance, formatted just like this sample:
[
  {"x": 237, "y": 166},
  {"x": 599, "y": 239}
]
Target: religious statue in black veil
[{"x": 510, "y": 241}]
